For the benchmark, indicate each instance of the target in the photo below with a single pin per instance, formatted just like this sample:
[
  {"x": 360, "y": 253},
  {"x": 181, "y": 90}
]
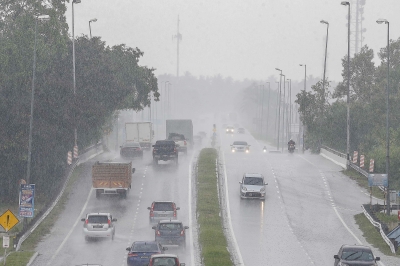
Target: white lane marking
[
  {"x": 229, "y": 213},
  {"x": 336, "y": 211},
  {"x": 72, "y": 228}
]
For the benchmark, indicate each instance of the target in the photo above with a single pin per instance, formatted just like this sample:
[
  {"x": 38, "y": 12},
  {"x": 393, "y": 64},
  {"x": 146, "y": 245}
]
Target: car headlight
[
  {"x": 247, "y": 151},
  {"x": 244, "y": 188},
  {"x": 343, "y": 264},
  {"x": 262, "y": 189}
]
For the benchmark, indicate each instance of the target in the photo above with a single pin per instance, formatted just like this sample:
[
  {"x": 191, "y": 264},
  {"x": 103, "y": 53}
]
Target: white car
[
  {"x": 252, "y": 186},
  {"x": 98, "y": 225},
  {"x": 240, "y": 146}
]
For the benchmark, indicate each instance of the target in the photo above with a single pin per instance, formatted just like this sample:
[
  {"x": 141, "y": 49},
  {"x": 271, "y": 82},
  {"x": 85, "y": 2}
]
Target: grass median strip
[{"x": 211, "y": 235}]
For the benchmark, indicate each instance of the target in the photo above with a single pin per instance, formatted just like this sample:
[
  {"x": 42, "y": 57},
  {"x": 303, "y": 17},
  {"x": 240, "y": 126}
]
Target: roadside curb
[{"x": 32, "y": 259}]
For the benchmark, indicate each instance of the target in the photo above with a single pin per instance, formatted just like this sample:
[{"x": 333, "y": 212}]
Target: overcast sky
[{"x": 237, "y": 38}]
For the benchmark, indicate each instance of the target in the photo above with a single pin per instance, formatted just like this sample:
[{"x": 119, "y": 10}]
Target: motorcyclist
[{"x": 291, "y": 142}]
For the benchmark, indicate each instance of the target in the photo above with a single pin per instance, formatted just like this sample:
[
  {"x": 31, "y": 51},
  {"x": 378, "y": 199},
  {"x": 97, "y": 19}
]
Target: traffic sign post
[{"x": 8, "y": 220}]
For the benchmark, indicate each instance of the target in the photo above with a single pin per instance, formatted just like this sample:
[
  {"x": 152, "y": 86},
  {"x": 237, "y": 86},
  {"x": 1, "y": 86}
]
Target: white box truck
[{"x": 141, "y": 132}]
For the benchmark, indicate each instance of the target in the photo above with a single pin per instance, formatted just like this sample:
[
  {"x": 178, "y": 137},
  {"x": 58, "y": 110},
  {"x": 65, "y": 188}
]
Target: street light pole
[
  {"x": 283, "y": 109},
  {"x": 279, "y": 106},
  {"x": 289, "y": 117},
  {"x": 326, "y": 50},
  {"x": 269, "y": 93},
  {"x": 380, "y": 21},
  {"x": 28, "y": 171},
  {"x": 90, "y": 28},
  {"x": 305, "y": 89},
  {"x": 73, "y": 62},
  {"x": 346, "y": 3},
  {"x": 276, "y": 109}
]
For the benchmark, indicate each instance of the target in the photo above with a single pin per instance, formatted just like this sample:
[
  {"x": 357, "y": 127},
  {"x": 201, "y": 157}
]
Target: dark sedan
[
  {"x": 141, "y": 251},
  {"x": 131, "y": 149},
  {"x": 355, "y": 255}
]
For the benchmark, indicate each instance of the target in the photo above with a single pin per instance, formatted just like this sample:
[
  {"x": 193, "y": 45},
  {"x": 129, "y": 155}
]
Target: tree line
[
  {"x": 325, "y": 113},
  {"x": 107, "y": 79}
]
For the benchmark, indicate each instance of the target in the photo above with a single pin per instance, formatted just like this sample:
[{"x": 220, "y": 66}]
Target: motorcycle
[{"x": 292, "y": 147}]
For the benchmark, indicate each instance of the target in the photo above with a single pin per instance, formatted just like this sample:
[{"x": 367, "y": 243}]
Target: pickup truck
[
  {"x": 180, "y": 141},
  {"x": 165, "y": 150}
]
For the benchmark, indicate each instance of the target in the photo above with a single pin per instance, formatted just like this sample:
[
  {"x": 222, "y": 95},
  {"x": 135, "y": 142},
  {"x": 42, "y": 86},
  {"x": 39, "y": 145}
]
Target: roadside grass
[
  {"x": 211, "y": 236},
  {"x": 372, "y": 235},
  {"x": 22, "y": 257}
]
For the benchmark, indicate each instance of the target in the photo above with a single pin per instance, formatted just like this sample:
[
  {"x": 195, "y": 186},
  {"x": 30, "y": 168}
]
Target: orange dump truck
[{"x": 112, "y": 178}]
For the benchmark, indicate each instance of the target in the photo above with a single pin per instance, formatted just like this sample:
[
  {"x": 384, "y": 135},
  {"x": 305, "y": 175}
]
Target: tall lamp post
[
  {"x": 380, "y": 21},
  {"x": 277, "y": 103},
  {"x": 290, "y": 108},
  {"x": 28, "y": 168},
  {"x": 305, "y": 89},
  {"x": 73, "y": 63},
  {"x": 279, "y": 106},
  {"x": 90, "y": 28},
  {"x": 283, "y": 109},
  {"x": 346, "y": 3},
  {"x": 269, "y": 93},
  {"x": 326, "y": 50},
  {"x": 164, "y": 101}
]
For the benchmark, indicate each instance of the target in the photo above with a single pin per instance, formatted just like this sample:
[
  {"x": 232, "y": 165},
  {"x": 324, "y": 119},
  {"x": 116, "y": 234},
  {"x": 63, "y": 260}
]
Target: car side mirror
[
  {"x": 83, "y": 219},
  {"x": 153, "y": 227},
  {"x": 120, "y": 147},
  {"x": 153, "y": 146},
  {"x": 133, "y": 170},
  {"x": 240, "y": 182},
  {"x": 149, "y": 208},
  {"x": 128, "y": 249},
  {"x": 114, "y": 219},
  {"x": 377, "y": 258},
  {"x": 186, "y": 227},
  {"x": 336, "y": 257},
  {"x": 177, "y": 208},
  {"x": 266, "y": 184}
]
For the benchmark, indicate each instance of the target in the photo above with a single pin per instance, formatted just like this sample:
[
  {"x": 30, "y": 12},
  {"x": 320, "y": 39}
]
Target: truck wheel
[
  {"x": 97, "y": 194},
  {"x": 123, "y": 195}
]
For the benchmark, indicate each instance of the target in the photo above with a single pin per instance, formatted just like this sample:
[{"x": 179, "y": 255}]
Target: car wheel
[
  {"x": 155, "y": 161},
  {"x": 87, "y": 238},
  {"x": 176, "y": 161}
]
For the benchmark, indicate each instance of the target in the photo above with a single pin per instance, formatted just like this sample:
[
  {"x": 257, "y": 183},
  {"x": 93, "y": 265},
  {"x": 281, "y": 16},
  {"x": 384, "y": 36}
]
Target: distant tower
[
  {"x": 357, "y": 30},
  {"x": 178, "y": 37}
]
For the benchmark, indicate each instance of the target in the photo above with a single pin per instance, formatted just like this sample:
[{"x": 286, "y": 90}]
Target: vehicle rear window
[
  {"x": 164, "y": 262},
  {"x": 144, "y": 247},
  {"x": 165, "y": 142},
  {"x": 170, "y": 226},
  {"x": 250, "y": 180},
  {"x": 163, "y": 206},
  {"x": 98, "y": 219},
  {"x": 239, "y": 143}
]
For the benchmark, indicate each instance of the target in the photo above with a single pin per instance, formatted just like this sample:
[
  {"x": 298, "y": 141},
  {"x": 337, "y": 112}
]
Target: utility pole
[{"x": 178, "y": 37}]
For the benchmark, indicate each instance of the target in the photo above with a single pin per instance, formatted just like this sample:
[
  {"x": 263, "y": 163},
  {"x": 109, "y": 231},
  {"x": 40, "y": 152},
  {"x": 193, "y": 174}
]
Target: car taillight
[
  {"x": 87, "y": 221},
  {"x": 184, "y": 142},
  {"x": 109, "y": 222},
  {"x": 182, "y": 232},
  {"x": 174, "y": 213},
  {"x": 158, "y": 233},
  {"x": 151, "y": 214},
  {"x": 132, "y": 255}
]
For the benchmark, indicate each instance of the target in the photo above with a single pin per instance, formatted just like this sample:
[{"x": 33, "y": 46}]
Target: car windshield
[
  {"x": 170, "y": 226},
  {"x": 251, "y": 180},
  {"x": 163, "y": 206},
  {"x": 144, "y": 247},
  {"x": 164, "y": 262},
  {"x": 239, "y": 143},
  {"x": 359, "y": 255},
  {"x": 98, "y": 219}
]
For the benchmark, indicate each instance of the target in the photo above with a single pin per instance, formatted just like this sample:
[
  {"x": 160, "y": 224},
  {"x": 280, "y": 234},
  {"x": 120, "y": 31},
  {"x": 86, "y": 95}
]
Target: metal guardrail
[
  {"x": 365, "y": 173},
  {"x": 379, "y": 226},
  {"x": 47, "y": 212}
]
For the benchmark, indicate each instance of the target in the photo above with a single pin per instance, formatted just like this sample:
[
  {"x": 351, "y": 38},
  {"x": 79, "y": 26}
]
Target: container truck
[{"x": 141, "y": 132}]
